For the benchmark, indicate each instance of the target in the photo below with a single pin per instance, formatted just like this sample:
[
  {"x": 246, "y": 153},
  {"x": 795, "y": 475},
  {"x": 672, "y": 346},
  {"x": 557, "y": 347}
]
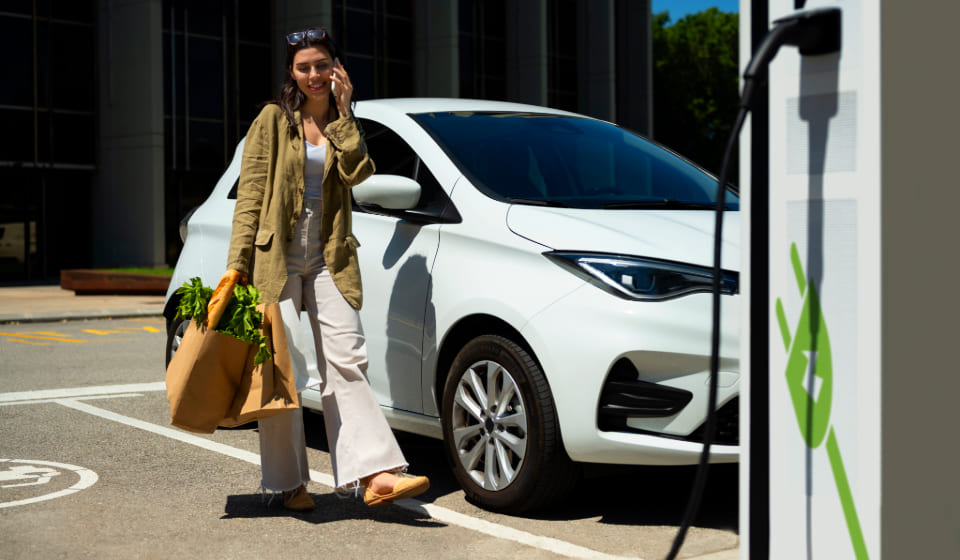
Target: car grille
[
  {"x": 624, "y": 397},
  {"x": 727, "y": 425}
]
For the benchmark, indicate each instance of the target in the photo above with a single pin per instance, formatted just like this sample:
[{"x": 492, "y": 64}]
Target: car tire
[
  {"x": 507, "y": 455},
  {"x": 174, "y": 336}
]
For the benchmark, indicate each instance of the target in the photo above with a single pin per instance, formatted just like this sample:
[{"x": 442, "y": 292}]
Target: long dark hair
[{"x": 291, "y": 98}]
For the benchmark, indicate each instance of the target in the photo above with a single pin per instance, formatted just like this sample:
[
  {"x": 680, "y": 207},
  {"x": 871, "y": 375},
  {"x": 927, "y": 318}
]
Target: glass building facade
[
  {"x": 376, "y": 37},
  {"x": 216, "y": 62},
  {"x": 216, "y": 73},
  {"x": 48, "y": 154}
]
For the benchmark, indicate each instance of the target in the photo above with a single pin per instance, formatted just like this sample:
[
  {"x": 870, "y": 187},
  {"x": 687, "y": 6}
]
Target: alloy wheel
[{"x": 489, "y": 424}]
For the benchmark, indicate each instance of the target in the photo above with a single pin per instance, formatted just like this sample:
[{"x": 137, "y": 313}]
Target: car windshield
[{"x": 564, "y": 161}]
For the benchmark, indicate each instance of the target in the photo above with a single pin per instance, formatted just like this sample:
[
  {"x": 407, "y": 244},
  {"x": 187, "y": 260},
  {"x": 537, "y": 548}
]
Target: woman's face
[{"x": 311, "y": 70}]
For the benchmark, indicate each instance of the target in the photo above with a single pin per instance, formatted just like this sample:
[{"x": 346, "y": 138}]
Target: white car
[{"x": 537, "y": 292}]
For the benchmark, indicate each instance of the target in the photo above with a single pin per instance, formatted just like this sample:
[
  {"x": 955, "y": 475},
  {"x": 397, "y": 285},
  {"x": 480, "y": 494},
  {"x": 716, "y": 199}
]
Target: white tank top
[{"x": 313, "y": 172}]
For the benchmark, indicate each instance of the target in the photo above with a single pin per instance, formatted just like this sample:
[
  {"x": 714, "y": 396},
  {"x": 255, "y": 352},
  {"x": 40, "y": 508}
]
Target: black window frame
[{"x": 434, "y": 205}]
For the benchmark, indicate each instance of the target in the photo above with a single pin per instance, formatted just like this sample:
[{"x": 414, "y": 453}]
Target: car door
[{"x": 396, "y": 256}]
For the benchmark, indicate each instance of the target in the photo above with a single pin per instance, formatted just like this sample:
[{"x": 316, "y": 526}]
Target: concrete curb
[
  {"x": 51, "y": 303},
  {"x": 57, "y": 316}
]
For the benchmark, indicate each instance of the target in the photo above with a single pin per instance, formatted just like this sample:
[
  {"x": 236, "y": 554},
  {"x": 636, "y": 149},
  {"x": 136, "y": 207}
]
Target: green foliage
[
  {"x": 696, "y": 88},
  {"x": 194, "y": 298},
  {"x": 240, "y": 319},
  {"x": 143, "y": 270}
]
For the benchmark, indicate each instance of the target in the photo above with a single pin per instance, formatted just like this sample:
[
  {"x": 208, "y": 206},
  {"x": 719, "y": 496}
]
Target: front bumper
[{"x": 579, "y": 339}]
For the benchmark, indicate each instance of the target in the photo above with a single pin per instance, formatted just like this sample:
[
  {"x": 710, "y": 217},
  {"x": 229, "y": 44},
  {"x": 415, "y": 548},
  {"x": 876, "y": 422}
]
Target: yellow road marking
[
  {"x": 121, "y": 330},
  {"x": 41, "y": 337},
  {"x": 60, "y": 337},
  {"x": 30, "y": 342}
]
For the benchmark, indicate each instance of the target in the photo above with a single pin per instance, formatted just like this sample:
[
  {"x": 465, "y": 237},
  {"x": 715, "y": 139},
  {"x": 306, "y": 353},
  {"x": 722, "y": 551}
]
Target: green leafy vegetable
[
  {"x": 240, "y": 319},
  {"x": 194, "y": 298}
]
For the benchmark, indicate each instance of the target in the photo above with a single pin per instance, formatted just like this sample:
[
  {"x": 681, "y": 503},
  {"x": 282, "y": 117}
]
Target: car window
[
  {"x": 392, "y": 155},
  {"x": 569, "y": 161}
]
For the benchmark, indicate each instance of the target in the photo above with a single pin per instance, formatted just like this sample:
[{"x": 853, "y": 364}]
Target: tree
[{"x": 695, "y": 84}]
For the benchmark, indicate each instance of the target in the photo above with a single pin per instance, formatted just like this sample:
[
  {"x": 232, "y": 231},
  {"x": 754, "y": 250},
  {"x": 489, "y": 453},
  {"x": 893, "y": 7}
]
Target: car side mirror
[{"x": 392, "y": 192}]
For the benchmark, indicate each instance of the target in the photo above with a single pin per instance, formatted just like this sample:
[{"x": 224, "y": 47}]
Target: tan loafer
[
  {"x": 406, "y": 487},
  {"x": 299, "y": 501}
]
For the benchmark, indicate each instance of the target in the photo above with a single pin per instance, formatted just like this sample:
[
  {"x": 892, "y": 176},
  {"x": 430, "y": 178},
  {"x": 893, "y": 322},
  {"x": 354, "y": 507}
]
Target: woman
[{"x": 292, "y": 234}]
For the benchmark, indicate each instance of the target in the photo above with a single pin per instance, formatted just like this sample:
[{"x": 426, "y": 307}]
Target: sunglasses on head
[{"x": 317, "y": 34}]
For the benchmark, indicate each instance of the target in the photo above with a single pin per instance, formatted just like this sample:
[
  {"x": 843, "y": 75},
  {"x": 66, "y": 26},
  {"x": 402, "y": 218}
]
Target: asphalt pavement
[{"x": 51, "y": 303}]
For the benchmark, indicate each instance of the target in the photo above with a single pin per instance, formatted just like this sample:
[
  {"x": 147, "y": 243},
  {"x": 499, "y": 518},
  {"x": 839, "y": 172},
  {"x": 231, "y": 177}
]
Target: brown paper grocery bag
[
  {"x": 268, "y": 388},
  {"x": 203, "y": 378}
]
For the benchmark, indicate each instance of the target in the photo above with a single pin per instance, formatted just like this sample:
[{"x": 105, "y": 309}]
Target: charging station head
[{"x": 813, "y": 32}]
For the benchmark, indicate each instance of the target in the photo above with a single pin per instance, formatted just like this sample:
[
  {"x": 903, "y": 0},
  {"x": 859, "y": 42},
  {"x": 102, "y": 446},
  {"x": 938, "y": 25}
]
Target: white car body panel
[
  {"x": 668, "y": 344},
  {"x": 682, "y": 235},
  {"x": 205, "y": 249},
  {"x": 395, "y": 268}
]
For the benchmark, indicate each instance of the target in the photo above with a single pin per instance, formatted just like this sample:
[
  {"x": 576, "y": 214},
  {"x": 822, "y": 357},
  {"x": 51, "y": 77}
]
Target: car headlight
[{"x": 641, "y": 278}]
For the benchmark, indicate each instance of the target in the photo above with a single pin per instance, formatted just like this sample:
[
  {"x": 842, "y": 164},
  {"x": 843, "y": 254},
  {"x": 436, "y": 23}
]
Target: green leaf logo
[
  {"x": 810, "y": 364},
  {"x": 810, "y": 382}
]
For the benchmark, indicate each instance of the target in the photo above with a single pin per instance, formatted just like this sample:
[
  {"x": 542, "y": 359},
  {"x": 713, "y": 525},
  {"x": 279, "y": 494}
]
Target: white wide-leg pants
[{"x": 361, "y": 442}]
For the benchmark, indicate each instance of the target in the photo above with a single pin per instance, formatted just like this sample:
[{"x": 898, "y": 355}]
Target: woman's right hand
[
  {"x": 344, "y": 89},
  {"x": 233, "y": 276}
]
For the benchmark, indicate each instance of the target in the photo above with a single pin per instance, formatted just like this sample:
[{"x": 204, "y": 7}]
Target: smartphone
[{"x": 333, "y": 85}]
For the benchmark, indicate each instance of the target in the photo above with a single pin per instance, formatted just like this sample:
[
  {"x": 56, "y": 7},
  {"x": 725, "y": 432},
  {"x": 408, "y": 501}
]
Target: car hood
[{"x": 676, "y": 235}]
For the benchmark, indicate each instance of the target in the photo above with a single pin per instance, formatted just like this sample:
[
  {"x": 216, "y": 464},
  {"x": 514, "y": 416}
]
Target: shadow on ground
[
  {"x": 424, "y": 454},
  {"x": 615, "y": 494},
  {"x": 330, "y": 508},
  {"x": 632, "y": 495}
]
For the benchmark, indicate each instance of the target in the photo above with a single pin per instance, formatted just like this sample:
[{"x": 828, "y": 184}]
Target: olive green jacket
[{"x": 270, "y": 199}]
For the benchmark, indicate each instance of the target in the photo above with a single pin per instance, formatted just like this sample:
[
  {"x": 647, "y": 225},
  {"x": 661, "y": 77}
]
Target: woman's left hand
[{"x": 344, "y": 89}]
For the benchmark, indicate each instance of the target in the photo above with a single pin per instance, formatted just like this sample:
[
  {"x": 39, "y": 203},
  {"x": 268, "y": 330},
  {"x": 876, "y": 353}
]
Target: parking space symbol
[
  {"x": 32, "y": 474},
  {"x": 19, "y": 474}
]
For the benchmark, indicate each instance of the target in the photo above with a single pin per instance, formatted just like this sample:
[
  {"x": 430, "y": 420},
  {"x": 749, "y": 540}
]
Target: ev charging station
[{"x": 850, "y": 204}]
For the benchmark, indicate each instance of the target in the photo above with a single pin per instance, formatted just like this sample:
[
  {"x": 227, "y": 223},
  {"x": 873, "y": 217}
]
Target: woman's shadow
[
  {"x": 615, "y": 494},
  {"x": 331, "y": 507}
]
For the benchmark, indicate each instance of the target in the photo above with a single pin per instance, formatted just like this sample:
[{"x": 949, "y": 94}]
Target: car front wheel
[
  {"x": 500, "y": 428},
  {"x": 175, "y": 336}
]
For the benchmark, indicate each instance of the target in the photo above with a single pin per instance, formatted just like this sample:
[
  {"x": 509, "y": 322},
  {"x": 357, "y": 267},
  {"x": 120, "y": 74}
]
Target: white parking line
[
  {"x": 68, "y": 398},
  {"x": 87, "y": 398},
  {"x": 82, "y": 391}
]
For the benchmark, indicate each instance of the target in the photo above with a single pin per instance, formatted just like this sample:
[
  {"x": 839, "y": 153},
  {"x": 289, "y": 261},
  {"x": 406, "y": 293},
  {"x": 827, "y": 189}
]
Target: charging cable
[{"x": 813, "y": 32}]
